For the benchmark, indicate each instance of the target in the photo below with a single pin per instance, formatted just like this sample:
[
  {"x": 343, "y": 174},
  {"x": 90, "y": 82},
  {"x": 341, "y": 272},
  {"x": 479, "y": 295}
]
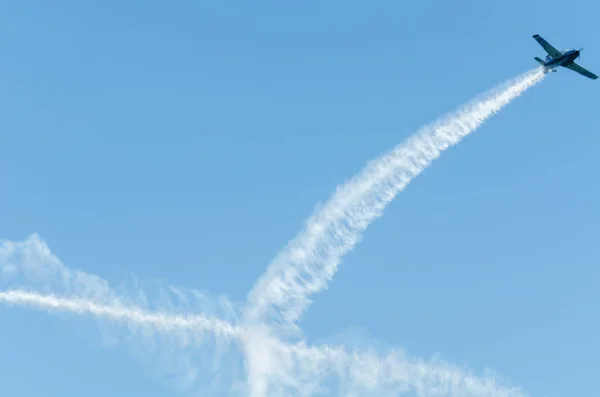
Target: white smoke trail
[
  {"x": 308, "y": 262},
  {"x": 31, "y": 276},
  {"x": 299, "y": 370},
  {"x": 185, "y": 336},
  {"x": 278, "y": 368},
  {"x": 164, "y": 322},
  {"x": 295, "y": 369}
]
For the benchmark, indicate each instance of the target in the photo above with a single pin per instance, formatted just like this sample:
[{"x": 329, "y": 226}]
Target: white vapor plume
[
  {"x": 178, "y": 331},
  {"x": 211, "y": 347},
  {"x": 299, "y": 370},
  {"x": 308, "y": 262},
  {"x": 283, "y": 369},
  {"x": 162, "y": 321}
]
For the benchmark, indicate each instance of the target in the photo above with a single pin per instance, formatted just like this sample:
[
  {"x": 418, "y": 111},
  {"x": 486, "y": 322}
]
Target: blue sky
[{"x": 188, "y": 143}]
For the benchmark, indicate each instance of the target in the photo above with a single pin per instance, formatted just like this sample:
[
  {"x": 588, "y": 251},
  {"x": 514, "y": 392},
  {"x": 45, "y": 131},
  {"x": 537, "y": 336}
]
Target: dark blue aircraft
[{"x": 556, "y": 58}]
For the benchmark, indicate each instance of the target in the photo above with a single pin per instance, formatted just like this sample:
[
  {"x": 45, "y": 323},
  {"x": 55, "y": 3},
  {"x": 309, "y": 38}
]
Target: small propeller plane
[{"x": 557, "y": 58}]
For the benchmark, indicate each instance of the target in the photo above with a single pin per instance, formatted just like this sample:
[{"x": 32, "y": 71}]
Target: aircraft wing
[
  {"x": 581, "y": 70},
  {"x": 554, "y": 53}
]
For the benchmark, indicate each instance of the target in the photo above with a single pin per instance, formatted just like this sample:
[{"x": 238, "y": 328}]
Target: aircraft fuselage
[{"x": 565, "y": 59}]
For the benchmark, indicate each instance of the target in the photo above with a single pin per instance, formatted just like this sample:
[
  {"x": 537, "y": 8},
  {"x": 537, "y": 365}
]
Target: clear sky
[{"x": 189, "y": 142}]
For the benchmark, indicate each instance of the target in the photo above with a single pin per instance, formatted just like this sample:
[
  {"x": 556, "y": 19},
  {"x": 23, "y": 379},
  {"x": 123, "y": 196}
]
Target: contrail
[
  {"x": 295, "y": 369},
  {"x": 162, "y": 321},
  {"x": 308, "y": 262},
  {"x": 299, "y": 370},
  {"x": 188, "y": 338},
  {"x": 31, "y": 276},
  {"x": 273, "y": 367}
]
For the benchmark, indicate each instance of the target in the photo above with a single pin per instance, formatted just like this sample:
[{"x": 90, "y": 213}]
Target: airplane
[{"x": 557, "y": 58}]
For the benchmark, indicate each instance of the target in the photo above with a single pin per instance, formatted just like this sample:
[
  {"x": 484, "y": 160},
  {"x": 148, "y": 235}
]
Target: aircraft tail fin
[{"x": 539, "y": 60}]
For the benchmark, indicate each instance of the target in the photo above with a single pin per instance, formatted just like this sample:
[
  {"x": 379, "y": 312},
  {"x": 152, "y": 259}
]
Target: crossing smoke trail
[
  {"x": 300, "y": 370},
  {"x": 308, "y": 262},
  {"x": 279, "y": 368},
  {"x": 164, "y": 322},
  {"x": 183, "y": 335},
  {"x": 31, "y": 276}
]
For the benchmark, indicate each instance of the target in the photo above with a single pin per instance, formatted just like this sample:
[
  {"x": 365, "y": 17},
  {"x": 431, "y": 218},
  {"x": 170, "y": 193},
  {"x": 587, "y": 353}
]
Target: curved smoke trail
[{"x": 308, "y": 262}]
